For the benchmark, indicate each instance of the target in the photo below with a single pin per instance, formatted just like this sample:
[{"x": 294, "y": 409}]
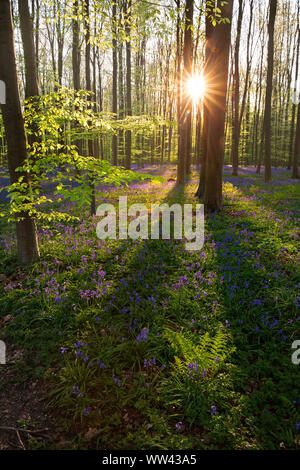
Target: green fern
[
  {"x": 197, "y": 359},
  {"x": 206, "y": 352},
  {"x": 290, "y": 408}
]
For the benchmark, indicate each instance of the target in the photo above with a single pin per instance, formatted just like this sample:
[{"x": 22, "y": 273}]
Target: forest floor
[{"x": 145, "y": 345}]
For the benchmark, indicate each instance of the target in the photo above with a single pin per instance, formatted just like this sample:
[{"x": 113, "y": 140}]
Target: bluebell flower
[{"x": 178, "y": 426}]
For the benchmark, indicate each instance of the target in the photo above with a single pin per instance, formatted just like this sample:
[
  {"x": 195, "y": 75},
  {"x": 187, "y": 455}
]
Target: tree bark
[
  {"x": 268, "y": 102},
  {"x": 236, "y": 81},
  {"x": 180, "y": 166},
  {"x": 121, "y": 96},
  {"x": 128, "y": 83},
  {"x": 115, "y": 81},
  {"x": 208, "y": 57},
  {"x": 88, "y": 86},
  {"x": 32, "y": 89},
  {"x": 296, "y": 92},
  {"x": 27, "y": 241},
  {"x": 217, "y": 91},
  {"x": 31, "y": 78},
  {"x": 75, "y": 47},
  {"x": 295, "y": 172},
  {"x": 185, "y": 123}
]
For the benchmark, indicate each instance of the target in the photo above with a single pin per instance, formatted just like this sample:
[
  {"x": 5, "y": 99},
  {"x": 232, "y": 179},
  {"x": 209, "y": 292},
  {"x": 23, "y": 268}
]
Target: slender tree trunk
[
  {"x": 208, "y": 57},
  {"x": 197, "y": 159},
  {"x": 296, "y": 92},
  {"x": 37, "y": 34},
  {"x": 31, "y": 78},
  {"x": 89, "y": 88},
  {"x": 220, "y": 44},
  {"x": 121, "y": 96},
  {"x": 268, "y": 103},
  {"x": 100, "y": 104},
  {"x": 75, "y": 47},
  {"x": 96, "y": 151},
  {"x": 236, "y": 81},
  {"x": 115, "y": 81},
  {"x": 60, "y": 34},
  {"x": 128, "y": 83},
  {"x": 295, "y": 172},
  {"x": 259, "y": 157},
  {"x": 295, "y": 159},
  {"x": 76, "y": 59},
  {"x": 248, "y": 69},
  {"x": 27, "y": 242},
  {"x": 185, "y": 123},
  {"x": 188, "y": 70},
  {"x": 180, "y": 165}
]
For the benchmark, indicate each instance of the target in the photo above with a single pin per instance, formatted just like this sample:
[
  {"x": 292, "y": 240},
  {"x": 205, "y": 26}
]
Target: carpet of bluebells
[{"x": 145, "y": 345}]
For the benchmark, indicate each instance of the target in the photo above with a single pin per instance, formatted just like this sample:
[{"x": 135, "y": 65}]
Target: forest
[{"x": 121, "y": 118}]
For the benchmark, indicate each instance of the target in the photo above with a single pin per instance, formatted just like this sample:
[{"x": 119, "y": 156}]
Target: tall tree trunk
[
  {"x": 295, "y": 160},
  {"x": 236, "y": 81},
  {"x": 217, "y": 91},
  {"x": 60, "y": 37},
  {"x": 188, "y": 70},
  {"x": 208, "y": 57},
  {"x": 259, "y": 157},
  {"x": 248, "y": 69},
  {"x": 75, "y": 47},
  {"x": 128, "y": 20},
  {"x": 296, "y": 93},
  {"x": 121, "y": 96},
  {"x": 268, "y": 102},
  {"x": 88, "y": 86},
  {"x": 31, "y": 78},
  {"x": 100, "y": 103},
  {"x": 295, "y": 172},
  {"x": 37, "y": 34},
  {"x": 185, "y": 123},
  {"x": 76, "y": 58},
  {"x": 96, "y": 151},
  {"x": 115, "y": 81},
  {"x": 180, "y": 165},
  {"x": 28, "y": 249}
]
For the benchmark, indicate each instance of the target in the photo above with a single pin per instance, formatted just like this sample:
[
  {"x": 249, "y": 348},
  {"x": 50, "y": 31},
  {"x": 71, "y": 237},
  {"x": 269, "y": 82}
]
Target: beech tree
[
  {"x": 268, "y": 102},
  {"x": 27, "y": 242},
  {"x": 236, "y": 127},
  {"x": 31, "y": 83},
  {"x": 185, "y": 121},
  {"x": 88, "y": 84},
  {"x": 128, "y": 140},
  {"x": 115, "y": 80},
  {"x": 295, "y": 151},
  {"x": 208, "y": 34},
  {"x": 75, "y": 46},
  {"x": 217, "y": 91},
  {"x": 136, "y": 58},
  {"x": 32, "y": 89},
  {"x": 295, "y": 173}
]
